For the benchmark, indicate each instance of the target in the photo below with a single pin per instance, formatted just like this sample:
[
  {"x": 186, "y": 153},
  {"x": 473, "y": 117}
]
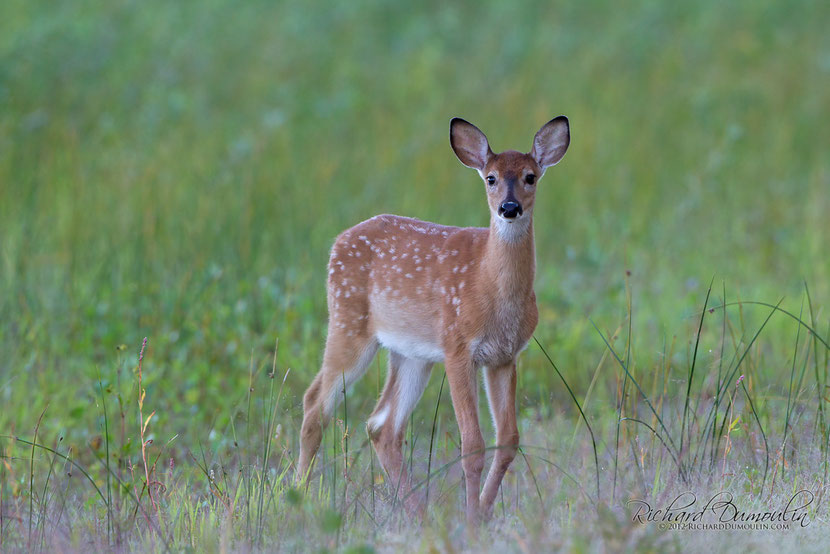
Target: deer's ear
[
  {"x": 551, "y": 142},
  {"x": 469, "y": 144}
]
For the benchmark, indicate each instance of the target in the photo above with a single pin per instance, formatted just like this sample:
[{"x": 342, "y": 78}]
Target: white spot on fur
[{"x": 374, "y": 424}]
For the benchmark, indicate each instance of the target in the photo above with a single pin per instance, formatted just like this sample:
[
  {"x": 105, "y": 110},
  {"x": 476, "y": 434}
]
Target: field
[{"x": 179, "y": 170}]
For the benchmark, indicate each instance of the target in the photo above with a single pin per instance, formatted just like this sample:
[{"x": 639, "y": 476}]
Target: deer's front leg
[
  {"x": 500, "y": 383},
  {"x": 461, "y": 374}
]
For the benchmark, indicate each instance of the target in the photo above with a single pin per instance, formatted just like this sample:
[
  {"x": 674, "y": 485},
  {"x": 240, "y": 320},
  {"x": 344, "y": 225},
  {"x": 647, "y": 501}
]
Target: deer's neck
[{"x": 510, "y": 257}]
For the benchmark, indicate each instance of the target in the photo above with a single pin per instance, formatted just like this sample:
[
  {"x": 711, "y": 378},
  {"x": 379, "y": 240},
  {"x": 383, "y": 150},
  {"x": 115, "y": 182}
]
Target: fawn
[{"x": 432, "y": 293}]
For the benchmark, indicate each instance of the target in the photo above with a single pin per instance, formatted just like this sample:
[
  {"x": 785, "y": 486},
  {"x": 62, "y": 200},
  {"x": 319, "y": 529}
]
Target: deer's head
[{"x": 510, "y": 177}]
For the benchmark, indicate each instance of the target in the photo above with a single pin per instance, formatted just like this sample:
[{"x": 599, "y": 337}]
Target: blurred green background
[{"x": 179, "y": 170}]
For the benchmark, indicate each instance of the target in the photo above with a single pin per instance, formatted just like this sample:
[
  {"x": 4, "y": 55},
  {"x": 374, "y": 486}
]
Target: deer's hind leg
[
  {"x": 344, "y": 362},
  {"x": 405, "y": 383}
]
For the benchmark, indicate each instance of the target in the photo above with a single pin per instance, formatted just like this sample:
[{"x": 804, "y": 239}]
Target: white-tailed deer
[{"x": 431, "y": 293}]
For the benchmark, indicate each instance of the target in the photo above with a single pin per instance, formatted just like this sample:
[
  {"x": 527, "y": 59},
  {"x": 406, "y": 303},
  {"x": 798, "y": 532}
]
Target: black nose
[{"x": 510, "y": 210}]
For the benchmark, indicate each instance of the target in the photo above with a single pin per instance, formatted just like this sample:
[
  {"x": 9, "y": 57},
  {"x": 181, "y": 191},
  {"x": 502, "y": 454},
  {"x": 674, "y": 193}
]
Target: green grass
[{"x": 179, "y": 171}]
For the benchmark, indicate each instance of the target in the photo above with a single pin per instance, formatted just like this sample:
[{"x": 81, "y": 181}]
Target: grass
[{"x": 179, "y": 171}]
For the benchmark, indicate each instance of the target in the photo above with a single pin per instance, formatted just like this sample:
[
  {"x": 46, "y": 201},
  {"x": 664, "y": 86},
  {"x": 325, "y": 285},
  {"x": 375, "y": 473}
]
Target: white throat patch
[{"x": 512, "y": 231}]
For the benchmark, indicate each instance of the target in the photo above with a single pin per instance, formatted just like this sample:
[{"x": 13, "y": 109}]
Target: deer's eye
[
  {"x": 530, "y": 178},
  {"x": 491, "y": 180}
]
